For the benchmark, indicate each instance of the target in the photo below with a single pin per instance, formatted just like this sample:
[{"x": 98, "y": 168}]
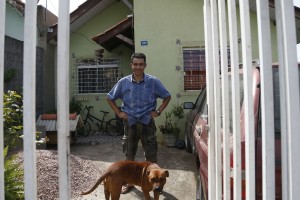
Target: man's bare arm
[{"x": 115, "y": 108}]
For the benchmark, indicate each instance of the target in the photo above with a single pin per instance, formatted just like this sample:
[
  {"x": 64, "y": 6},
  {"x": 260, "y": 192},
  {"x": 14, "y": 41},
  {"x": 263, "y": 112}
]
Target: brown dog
[{"x": 149, "y": 176}]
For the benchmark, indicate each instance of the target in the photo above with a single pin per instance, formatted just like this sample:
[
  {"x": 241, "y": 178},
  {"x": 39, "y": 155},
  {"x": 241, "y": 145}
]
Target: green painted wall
[
  {"x": 82, "y": 46},
  {"x": 168, "y": 26},
  {"x": 254, "y": 37},
  {"x": 162, "y": 24}
]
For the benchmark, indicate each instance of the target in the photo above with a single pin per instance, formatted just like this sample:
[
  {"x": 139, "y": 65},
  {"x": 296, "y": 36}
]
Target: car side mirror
[{"x": 204, "y": 117}]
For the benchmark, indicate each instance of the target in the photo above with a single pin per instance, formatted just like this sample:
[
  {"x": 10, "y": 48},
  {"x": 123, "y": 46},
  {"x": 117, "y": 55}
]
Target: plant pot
[{"x": 170, "y": 140}]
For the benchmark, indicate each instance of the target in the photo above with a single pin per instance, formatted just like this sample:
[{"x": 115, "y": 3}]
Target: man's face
[{"x": 138, "y": 66}]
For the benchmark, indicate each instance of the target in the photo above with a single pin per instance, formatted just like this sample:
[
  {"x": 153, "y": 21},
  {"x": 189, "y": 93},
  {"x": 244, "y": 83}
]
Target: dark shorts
[{"x": 145, "y": 133}]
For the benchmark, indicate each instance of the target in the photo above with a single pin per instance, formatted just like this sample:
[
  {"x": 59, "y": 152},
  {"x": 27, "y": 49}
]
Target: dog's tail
[{"x": 102, "y": 177}]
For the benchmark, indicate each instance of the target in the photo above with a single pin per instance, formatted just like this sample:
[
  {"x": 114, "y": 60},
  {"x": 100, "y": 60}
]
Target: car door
[
  {"x": 200, "y": 140},
  {"x": 192, "y": 118}
]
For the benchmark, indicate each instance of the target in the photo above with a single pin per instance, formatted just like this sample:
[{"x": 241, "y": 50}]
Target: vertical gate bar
[
  {"x": 29, "y": 88},
  {"x": 216, "y": 68},
  {"x": 210, "y": 100},
  {"x": 267, "y": 102},
  {"x": 2, "y": 43},
  {"x": 248, "y": 99},
  {"x": 63, "y": 98},
  {"x": 292, "y": 97},
  {"x": 235, "y": 85},
  {"x": 225, "y": 99},
  {"x": 283, "y": 120}
]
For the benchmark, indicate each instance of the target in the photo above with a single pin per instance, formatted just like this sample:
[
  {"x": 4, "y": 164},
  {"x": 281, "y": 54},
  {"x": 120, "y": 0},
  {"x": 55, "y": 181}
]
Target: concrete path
[{"x": 181, "y": 185}]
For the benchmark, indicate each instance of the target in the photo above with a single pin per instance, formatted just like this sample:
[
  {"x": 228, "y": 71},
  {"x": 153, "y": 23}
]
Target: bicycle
[{"x": 113, "y": 127}]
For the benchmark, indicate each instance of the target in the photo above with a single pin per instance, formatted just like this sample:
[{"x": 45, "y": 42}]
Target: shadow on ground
[
  {"x": 181, "y": 185},
  {"x": 167, "y": 157}
]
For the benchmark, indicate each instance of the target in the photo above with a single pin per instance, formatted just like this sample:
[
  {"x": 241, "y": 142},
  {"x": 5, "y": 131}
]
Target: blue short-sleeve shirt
[{"x": 138, "y": 98}]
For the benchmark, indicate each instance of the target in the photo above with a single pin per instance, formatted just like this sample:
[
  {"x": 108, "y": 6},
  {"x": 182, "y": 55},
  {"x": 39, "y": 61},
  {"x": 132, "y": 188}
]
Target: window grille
[
  {"x": 94, "y": 77},
  {"x": 194, "y": 68}
]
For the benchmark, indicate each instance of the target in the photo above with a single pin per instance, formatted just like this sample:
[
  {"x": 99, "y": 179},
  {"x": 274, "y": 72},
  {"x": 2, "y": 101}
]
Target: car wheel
[
  {"x": 188, "y": 146},
  {"x": 199, "y": 190}
]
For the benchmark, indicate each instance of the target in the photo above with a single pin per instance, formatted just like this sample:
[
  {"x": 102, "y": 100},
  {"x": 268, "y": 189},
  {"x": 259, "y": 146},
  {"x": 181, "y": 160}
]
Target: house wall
[
  {"x": 13, "y": 59},
  {"x": 14, "y": 37},
  {"x": 254, "y": 37},
  {"x": 44, "y": 20},
  {"x": 49, "y": 81},
  {"x": 165, "y": 25},
  {"x": 14, "y": 23},
  {"x": 82, "y": 46},
  {"x": 168, "y": 26}
]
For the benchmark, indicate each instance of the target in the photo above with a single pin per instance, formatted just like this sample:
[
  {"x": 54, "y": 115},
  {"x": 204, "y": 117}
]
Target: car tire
[
  {"x": 188, "y": 146},
  {"x": 199, "y": 189}
]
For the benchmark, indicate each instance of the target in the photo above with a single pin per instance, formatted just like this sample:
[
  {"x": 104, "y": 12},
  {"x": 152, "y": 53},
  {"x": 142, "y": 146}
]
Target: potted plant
[
  {"x": 170, "y": 129},
  {"x": 75, "y": 105}
]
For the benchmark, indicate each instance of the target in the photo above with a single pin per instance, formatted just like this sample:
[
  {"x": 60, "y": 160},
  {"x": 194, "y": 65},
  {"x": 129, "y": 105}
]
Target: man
[{"x": 139, "y": 93}]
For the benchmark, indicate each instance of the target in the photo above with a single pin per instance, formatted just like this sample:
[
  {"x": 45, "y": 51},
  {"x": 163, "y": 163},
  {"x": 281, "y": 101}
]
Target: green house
[{"x": 104, "y": 34}]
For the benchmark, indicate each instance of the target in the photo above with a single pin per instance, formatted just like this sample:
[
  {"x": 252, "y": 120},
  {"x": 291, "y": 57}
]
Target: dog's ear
[{"x": 167, "y": 173}]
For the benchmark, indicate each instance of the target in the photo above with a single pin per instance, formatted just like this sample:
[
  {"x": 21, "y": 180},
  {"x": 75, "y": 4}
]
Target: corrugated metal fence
[
  {"x": 216, "y": 40},
  {"x": 217, "y": 33}
]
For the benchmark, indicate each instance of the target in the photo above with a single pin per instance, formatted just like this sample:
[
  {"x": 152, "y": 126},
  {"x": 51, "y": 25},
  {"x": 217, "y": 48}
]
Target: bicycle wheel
[
  {"x": 86, "y": 129},
  {"x": 114, "y": 127}
]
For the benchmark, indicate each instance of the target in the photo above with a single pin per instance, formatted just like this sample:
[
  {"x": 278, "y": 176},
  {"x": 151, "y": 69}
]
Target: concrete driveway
[{"x": 181, "y": 185}]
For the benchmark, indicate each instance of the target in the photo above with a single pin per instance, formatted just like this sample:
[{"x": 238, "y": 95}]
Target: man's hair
[{"x": 138, "y": 55}]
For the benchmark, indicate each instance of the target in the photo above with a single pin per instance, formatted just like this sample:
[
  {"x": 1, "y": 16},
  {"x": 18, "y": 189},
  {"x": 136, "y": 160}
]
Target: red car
[
  {"x": 196, "y": 110},
  {"x": 200, "y": 137}
]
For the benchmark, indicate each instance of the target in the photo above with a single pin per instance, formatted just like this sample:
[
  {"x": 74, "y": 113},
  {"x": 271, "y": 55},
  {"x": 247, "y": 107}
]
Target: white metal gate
[
  {"x": 218, "y": 28},
  {"x": 217, "y": 34},
  {"x": 29, "y": 83}
]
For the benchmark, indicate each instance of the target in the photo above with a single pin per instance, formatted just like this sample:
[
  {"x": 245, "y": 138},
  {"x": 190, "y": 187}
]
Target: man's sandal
[{"x": 126, "y": 188}]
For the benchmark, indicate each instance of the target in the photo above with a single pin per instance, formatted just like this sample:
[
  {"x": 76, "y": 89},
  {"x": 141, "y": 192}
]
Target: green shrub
[
  {"x": 13, "y": 126},
  {"x": 172, "y": 117},
  {"x": 13, "y": 117},
  {"x": 13, "y": 177},
  {"x": 9, "y": 74}
]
